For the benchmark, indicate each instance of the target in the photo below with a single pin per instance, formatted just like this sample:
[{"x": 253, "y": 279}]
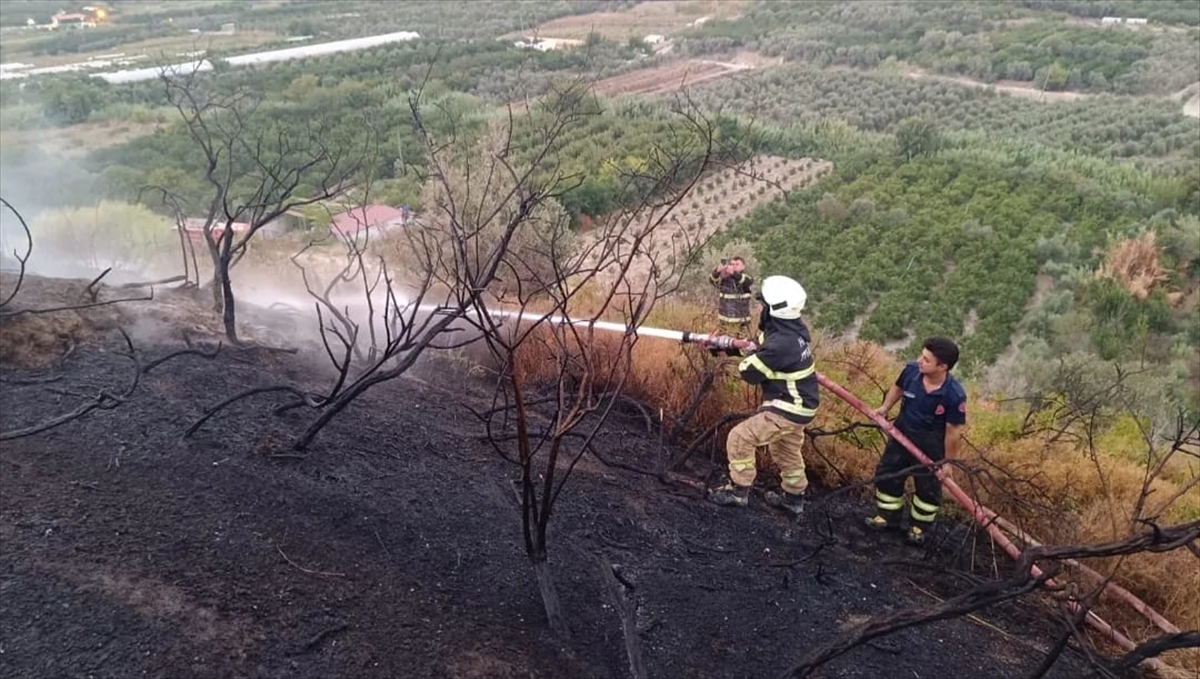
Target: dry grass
[
  {"x": 1134, "y": 264},
  {"x": 38, "y": 341},
  {"x": 34, "y": 341},
  {"x": 1058, "y": 492},
  {"x": 79, "y": 140}
]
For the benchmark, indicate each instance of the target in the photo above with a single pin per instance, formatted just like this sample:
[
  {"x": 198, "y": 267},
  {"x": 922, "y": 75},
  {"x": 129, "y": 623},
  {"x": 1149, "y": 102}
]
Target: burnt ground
[{"x": 394, "y": 548}]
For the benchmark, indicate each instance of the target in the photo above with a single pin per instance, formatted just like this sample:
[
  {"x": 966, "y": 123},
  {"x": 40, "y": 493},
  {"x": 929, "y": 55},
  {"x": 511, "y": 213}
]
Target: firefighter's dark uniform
[
  {"x": 733, "y": 303},
  {"x": 785, "y": 369},
  {"x": 923, "y": 418}
]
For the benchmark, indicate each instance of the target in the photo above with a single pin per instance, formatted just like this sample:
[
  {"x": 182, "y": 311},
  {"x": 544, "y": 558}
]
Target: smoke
[{"x": 34, "y": 179}]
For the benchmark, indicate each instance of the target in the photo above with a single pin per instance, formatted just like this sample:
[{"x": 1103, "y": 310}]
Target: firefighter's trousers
[
  {"x": 889, "y": 479},
  {"x": 784, "y": 440}
]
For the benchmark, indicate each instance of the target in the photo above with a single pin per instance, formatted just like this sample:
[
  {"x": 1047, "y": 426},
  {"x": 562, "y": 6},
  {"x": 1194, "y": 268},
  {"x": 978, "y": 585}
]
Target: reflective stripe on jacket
[
  {"x": 733, "y": 305},
  {"x": 785, "y": 368}
]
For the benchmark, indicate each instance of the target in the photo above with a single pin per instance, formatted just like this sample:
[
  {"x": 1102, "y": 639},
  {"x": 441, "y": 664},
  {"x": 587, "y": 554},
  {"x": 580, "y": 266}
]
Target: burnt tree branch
[{"x": 22, "y": 259}]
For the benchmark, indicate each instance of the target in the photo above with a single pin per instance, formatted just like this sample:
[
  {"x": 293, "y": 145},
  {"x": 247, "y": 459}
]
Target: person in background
[
  {"x": 932, "y": 416},
  {"x": 734, "y": 293}
]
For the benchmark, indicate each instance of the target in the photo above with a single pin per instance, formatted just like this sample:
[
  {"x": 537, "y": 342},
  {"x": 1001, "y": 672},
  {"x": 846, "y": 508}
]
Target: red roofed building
[
  {"x": 357, "y": 222},
  {"x": 194, "y": 229}
]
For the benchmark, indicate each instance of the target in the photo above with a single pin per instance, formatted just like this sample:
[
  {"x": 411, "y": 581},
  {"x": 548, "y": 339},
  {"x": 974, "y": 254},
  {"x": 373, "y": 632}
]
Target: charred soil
[{"x": 394, "y": 547}]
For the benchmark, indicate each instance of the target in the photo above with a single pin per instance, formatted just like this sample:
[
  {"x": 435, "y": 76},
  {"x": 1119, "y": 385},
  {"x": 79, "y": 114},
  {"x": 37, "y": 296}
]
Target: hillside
[
  {"x": 1022, "y": 176},
  {"x": 393, "y": 548}
]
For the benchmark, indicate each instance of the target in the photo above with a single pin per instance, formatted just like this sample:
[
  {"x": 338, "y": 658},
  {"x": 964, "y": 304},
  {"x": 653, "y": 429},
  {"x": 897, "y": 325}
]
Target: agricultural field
[
  {"x": 1148, "y": 129},
  {"x": 724, "y": 196},
  {"x": 663, "y": 17},
  {"x": 988, "y": 42},
  {"x": 682, "y": 74}
]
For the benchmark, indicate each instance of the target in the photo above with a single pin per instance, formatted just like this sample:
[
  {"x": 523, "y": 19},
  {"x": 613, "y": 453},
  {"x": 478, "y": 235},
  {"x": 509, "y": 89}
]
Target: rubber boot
[
  {"x": 785, "y": 500},
  {"x": 730, "y": 495},
  {"x": 917, "y": 533},
  {"x": 883, "y": 521}
]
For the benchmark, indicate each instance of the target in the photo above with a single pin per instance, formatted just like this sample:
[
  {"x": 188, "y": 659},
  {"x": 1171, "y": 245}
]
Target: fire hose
[{"x": 987, "y": 518}]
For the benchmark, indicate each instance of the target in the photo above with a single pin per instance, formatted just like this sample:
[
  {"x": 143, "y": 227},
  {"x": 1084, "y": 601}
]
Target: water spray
[{"x": 712, "y": 340}]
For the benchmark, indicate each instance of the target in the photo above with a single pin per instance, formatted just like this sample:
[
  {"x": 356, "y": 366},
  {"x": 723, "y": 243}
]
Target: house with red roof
[
  {"x": 360, "y": 221},
  {"x": 193, "y": 228}
]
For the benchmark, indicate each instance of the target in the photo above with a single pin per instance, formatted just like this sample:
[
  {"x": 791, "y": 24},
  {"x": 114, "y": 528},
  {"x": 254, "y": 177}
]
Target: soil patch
[
  {"x": 674, "y": 76},
  {"x": 1015, "y": 88},
  {"x": 1192, "y": 107},
  {"x": 662, "y": 17}
]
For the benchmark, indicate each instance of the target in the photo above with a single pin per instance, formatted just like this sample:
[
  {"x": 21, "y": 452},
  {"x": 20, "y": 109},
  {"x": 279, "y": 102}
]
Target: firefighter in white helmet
[{"x": 783, "y": 366}]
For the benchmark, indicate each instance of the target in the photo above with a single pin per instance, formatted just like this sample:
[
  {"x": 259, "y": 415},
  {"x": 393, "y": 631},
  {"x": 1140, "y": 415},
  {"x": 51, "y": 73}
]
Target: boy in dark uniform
[{"x": 932, "y": 416}]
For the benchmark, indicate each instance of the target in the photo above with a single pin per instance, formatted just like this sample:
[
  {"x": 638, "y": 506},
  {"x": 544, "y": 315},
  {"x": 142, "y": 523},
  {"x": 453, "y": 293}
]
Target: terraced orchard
[{"x": 727, "y": 195}]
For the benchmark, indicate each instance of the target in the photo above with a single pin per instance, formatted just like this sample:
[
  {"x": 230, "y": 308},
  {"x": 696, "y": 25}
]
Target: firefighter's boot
[
  {"x": 730, "y": 494},
  {"x": 785, "y": 500},
  {"x": 883, "y": 521},
  {"x": 917, "y": 533}
]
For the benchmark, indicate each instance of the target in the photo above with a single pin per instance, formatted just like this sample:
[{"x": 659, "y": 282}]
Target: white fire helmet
[{"x": 783, "y": 297}]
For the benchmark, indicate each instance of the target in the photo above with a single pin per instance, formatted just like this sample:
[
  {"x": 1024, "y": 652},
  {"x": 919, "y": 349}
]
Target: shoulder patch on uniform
[{"x": 962, "y": 407}]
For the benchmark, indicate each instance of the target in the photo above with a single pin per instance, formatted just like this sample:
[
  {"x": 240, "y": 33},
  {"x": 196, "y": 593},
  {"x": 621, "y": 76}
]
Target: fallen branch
[
  {"x": 308, "y": 400},
  {"x": 1155, "y": 647},
  {"x": 161, "y": 281},
  {"x": 1071, "y": 630},
  {"x": 31, "y": 380},
  {"x": 76, "y": 307},
  {"x": 102, "y": 401},
  {"x": 91, "y": 287},
  {"x": 1135, "y": 602},
  {"x": 182, "y": 352},
  {"x": 22, "y": 260},
  {"x": 322, "y": 635},
  {"x": 969, "y": 602},
  {"x": 797, "y": 562},
  {"x": 627, "y": 611},
  {"x": 309, "y": 571},
  {"x": 618, "y": 465},
  {"x": 1026, "y": 578},
  {"x": 705, "y": 435}
]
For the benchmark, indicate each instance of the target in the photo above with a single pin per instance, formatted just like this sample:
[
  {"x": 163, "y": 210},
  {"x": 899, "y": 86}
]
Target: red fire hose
[{"x": 990, "y": 520}]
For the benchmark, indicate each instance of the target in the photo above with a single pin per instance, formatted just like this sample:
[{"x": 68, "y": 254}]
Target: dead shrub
[{"x": 1134, "y": 264}]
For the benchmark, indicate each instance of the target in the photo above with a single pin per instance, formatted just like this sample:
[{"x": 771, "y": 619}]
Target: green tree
[
  {"x": 917, "y": 137},
  {"x": 70, "y": 101}
]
